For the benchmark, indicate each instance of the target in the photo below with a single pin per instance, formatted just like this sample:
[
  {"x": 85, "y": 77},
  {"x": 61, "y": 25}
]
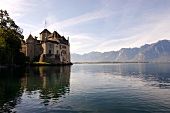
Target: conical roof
[{"x": 30, "y": 37}]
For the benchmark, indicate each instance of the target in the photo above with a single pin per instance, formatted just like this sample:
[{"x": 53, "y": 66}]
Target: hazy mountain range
[{"x": 156, "y": 52}]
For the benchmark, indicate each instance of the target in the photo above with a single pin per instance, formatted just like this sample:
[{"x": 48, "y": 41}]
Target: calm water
[{"x": 95, "y": 88}]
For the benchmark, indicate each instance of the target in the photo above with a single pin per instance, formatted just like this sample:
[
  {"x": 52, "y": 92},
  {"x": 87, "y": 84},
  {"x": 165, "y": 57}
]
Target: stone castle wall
[{"x": 50, "y": 51}]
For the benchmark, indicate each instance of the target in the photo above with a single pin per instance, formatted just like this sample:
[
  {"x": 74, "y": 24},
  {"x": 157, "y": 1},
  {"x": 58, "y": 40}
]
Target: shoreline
[
  {"x": 25, "y": 65},
  {"x": 117, "y": 62},
  {"x": 69, "y": 64},
  {"x": 32, "y": 64}
]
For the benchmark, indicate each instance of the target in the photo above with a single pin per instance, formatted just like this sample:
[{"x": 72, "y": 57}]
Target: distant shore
[
  {"x": 113, "y": 62},
  {"x": 104, "y": 62}
]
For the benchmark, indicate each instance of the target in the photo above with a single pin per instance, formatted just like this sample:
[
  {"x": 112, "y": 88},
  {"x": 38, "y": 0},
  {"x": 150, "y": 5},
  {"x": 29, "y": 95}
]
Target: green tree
[
  {"x": 10, "y": 40},
  {"x": 2, "y": 50}
]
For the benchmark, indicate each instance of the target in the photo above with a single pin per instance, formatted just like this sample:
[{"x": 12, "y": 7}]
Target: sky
[{"x": 94, "y": 25}]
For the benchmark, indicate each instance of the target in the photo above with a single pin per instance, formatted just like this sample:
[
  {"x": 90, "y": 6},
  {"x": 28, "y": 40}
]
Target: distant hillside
[{"x": 156, "y": 52}]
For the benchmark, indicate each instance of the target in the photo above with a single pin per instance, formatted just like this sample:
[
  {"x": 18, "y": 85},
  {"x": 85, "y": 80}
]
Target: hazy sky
[{"x": 94, "y": 25}]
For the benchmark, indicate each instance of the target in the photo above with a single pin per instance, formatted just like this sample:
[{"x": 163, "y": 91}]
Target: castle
[{"x": 51, "y": 48}]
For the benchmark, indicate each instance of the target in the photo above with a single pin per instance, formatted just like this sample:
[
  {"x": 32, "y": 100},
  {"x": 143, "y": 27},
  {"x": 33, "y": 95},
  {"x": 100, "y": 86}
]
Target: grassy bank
[{"x": 47, "y": 64}]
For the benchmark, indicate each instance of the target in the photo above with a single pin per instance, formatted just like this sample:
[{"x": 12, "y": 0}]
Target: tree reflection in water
[
  {"x": 49, "y": 82},
  {"x": 10, "y": 88}
]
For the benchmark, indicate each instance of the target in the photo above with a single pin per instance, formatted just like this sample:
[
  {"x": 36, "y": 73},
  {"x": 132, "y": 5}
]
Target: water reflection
[
  {"x": 48, "y": 83},
  {"x": 118, "y": 88},
  {"x": 157, "y": 75},
  {"x": 10, "y": 88}
]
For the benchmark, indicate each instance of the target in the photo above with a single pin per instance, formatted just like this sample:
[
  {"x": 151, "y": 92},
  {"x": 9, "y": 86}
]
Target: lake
[{"x": 84, "y": 88}]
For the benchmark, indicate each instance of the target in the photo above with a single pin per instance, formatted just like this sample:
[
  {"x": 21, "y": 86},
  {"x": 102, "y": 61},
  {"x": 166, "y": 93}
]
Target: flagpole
[{"x": 45, "y": 26}]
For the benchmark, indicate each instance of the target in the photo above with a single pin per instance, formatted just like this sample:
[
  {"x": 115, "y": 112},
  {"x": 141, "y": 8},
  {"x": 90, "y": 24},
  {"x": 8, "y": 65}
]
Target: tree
[
  {"x": 2, "y": 50},
  {"x": 10, "y": 40}
]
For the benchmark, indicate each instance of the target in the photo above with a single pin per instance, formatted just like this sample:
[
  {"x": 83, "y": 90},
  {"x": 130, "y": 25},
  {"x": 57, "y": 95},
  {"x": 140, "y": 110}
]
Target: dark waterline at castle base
[{"x": 32, "y": 64}]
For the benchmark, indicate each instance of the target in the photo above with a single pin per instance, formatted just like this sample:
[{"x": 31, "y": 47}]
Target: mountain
[{"x": 156, "y": 52}]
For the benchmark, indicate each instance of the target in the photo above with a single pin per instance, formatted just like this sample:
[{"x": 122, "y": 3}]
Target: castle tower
[
  {"x": 44, "y": 34},
  {"x": 68, "y": 51},
  {"x": 30, "y": 47}
]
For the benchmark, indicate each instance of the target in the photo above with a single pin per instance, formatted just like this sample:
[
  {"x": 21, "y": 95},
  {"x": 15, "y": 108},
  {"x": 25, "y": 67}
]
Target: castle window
[
  {"x": 63, "y": 53},
  {"x": 49, "y": 45},
  {"x": 49, "y": 51},
  {"x": 57, "y": 51},
  {"x": 64, "y": 47}
]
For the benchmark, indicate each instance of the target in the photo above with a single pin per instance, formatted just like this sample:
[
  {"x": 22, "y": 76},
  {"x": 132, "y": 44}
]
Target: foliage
[{"x": 10, "y": 41}]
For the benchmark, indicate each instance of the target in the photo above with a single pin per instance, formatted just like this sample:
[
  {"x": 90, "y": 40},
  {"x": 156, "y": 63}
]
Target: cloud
[
  {"x": 151, "y": 28},
  {"x": 95, "y": 15},
  {"x": 139, "y": 23},
  {"x": 132, "y": 31},
  {"x": 53, "y": 23},
  {"x": 83, "y": 43},
  {"x": 126, "y": 23},
  {"x": 17, "y": 8}
]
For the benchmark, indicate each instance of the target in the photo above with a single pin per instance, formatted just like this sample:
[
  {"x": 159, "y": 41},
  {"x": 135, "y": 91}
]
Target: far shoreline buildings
[{"x": 51, "y": 48}]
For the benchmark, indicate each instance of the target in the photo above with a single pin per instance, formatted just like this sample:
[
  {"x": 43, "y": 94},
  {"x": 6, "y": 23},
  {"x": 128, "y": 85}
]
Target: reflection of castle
[
  {"x": 52, "y": 82},
  {"x": 51, "y": 48}
]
